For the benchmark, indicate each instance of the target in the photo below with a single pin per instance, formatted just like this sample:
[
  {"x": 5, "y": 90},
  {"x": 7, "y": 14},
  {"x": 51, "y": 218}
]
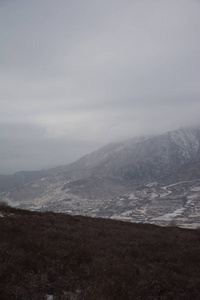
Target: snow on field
[
  {"x": 165, "y": 194},
  {"x": 120, "y": 217},
  {"x": 127, "y": 213},
  {"x": 170, "y": 216},
  {"x": 153, "y": 195},
  {"x": 142, "y": 210},
  {"x": 190, "y": 226},
  {"x": 36, "y": 207},
  {"x": 133, "y": 197},
  {"x": 191, "y": 197},
  {"x": 195, "y": 189}
]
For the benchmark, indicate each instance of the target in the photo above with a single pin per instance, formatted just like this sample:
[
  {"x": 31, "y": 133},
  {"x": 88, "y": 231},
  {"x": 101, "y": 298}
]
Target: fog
[{"x": 76, "y": 75}]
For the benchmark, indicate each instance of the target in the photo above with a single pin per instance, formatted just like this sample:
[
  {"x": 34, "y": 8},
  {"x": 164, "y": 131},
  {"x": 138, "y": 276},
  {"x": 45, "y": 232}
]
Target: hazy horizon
[{"x": 76, "y": 75}]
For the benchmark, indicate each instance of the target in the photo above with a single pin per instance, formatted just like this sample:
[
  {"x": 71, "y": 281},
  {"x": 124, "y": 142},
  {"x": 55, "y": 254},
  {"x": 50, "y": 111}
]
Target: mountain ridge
[{"x": 105, "y": 182}]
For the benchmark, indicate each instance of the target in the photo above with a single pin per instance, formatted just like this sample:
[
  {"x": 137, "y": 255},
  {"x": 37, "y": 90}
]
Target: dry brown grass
[{"x": 95, "y": 259}]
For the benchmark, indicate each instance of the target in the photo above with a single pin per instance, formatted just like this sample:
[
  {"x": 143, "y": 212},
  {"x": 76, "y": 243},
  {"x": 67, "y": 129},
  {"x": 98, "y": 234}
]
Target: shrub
[{"x": 71, "y": 258}]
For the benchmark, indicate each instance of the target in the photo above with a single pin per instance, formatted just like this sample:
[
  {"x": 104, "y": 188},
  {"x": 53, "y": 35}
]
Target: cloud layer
[{"x": 76, "y": 75}]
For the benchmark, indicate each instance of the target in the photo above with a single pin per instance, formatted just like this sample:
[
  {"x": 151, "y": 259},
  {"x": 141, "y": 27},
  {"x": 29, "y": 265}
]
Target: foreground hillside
[{"x": 57, "y": 256}]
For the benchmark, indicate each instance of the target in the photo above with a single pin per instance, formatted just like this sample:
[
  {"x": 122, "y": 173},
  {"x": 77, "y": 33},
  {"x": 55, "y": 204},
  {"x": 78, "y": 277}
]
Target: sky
[{"x": 76, "y": 75}]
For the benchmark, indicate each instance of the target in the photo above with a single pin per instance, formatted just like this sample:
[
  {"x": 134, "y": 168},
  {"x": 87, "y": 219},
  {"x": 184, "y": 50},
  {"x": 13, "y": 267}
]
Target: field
[{"x": 58, "y": 256}]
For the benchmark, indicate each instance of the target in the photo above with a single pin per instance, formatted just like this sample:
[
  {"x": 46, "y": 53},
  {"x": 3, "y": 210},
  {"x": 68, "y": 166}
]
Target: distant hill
[
  {"x": 8, "y": 182},
  {"x": 147, "y": 179},
  {"x": 141, "y": 160}
]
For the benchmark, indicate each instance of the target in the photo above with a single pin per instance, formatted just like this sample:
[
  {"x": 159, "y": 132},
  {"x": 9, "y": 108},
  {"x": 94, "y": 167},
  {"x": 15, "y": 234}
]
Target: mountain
[
  {"x": 151, "y": 179},
  {"x": 8, "y": 182},
  {"x": 141, "y": 160}
]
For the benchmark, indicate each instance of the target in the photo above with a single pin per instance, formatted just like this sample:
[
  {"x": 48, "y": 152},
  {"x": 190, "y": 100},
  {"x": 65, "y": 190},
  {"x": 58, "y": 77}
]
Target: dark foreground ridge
[{"x": 58, "y": 256}]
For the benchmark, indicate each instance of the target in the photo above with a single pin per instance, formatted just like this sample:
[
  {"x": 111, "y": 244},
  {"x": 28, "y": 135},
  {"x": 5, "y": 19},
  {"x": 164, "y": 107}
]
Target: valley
[{"x": 152, "y": 180}]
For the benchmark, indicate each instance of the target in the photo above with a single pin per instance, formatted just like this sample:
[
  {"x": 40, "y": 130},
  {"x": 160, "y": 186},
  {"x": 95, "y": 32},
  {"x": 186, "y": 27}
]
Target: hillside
[
  {"x": 8, "y": 182},
  {"x": 57, "y": 256},
  {"x": 148, "y": 179},
  {"x": 141, "y": 160}
]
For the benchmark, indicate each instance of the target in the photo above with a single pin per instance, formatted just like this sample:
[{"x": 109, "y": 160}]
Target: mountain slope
[
  {"x": 8, "y": 182},
  {"x": 127, "y": 180},
  {"x": 141, "y": 160}
]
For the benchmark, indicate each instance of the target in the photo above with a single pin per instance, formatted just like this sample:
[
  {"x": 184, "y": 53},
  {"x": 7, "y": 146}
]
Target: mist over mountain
[
  {"x": 143, "y": 160},
  {"x": 76, "y": 75},
  {"x": 150, "y": 179}
]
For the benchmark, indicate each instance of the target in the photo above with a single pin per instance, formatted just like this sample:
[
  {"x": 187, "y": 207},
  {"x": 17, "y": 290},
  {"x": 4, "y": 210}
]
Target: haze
[{"x": 76, "y": 75}]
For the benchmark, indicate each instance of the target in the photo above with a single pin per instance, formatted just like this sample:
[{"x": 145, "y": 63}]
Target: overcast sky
[{"x": 78, "y": 74}]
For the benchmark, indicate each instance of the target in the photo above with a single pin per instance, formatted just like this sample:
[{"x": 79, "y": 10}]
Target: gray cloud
[
  {"x": 78, "y": 74},
  {"x": 28, "y": 147}
]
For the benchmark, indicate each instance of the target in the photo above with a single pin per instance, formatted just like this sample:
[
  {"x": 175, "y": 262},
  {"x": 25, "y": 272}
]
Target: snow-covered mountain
[
  {"x": 141, "y": 160},
  {"x": 147, "y": 179}
]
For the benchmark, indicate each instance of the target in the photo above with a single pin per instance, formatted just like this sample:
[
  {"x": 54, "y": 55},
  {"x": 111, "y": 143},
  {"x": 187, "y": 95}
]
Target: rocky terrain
[{"x": 147, "y": 179}]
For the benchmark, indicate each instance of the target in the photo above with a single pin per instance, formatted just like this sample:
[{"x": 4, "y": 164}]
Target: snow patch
[
  {"x": 120, "y": 217},
  {"x": 170, "y": 216},
  {"x": 194, "y": 196},
  {"x": 195, "y": 189},
  {"x": 127, "y": 213},
  {"x": 153, "y": 195},
  {"x": 165, "y": 194},
  {"x": 142, "y": 210},
  {"x": 132, "y": 197}
]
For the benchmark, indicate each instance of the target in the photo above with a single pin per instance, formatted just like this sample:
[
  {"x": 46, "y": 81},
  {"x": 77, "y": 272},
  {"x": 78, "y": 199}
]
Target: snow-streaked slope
[{"x": 137, "y": 180}]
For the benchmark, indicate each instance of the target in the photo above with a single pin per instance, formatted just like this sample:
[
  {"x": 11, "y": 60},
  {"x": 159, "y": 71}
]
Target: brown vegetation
[{"x": 74, "y": 257}]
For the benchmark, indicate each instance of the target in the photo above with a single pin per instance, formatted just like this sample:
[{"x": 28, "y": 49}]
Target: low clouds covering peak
[{"x": 76, "y": 75}]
